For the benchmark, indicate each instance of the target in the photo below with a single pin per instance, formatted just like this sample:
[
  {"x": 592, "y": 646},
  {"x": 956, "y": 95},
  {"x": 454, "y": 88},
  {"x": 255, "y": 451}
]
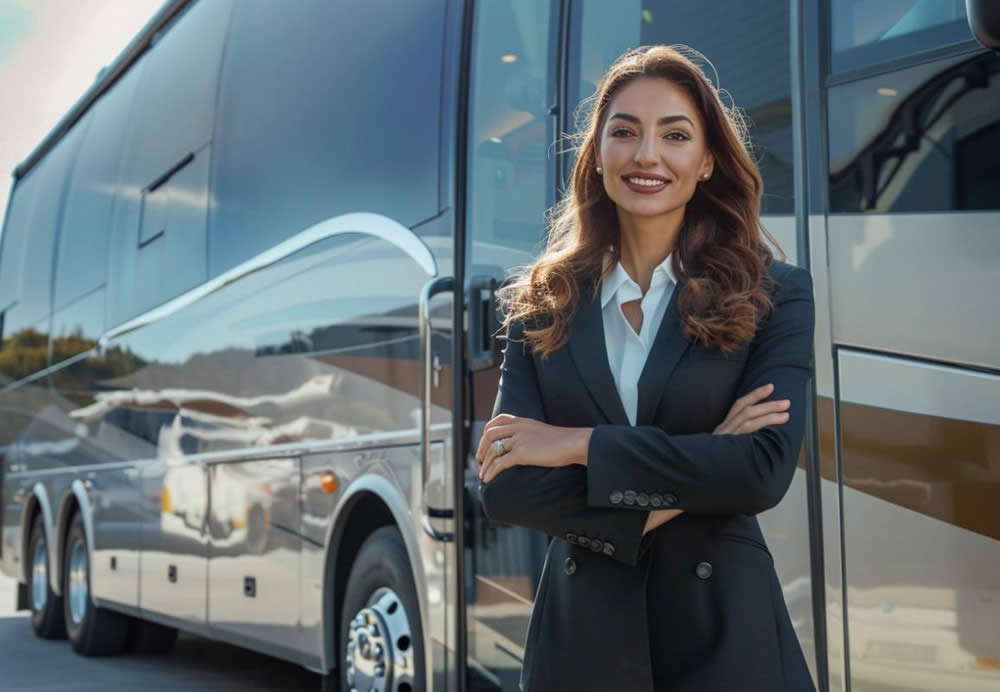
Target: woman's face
[{"x": 653, "y": 132}]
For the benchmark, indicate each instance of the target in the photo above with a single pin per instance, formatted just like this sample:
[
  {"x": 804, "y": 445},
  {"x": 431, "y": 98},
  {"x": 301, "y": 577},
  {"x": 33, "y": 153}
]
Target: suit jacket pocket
[{"x": 746, "y": 540}]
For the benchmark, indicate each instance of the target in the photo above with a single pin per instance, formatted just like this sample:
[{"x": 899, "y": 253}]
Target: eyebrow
[{"x": 665, "y": 120}]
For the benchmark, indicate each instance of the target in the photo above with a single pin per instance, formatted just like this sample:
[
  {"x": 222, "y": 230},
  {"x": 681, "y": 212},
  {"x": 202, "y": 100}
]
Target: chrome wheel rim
[
  {"x": 78, "y": 581},
  {"x": 379, "y": 652},
  {"x": 39, "y": 576}
]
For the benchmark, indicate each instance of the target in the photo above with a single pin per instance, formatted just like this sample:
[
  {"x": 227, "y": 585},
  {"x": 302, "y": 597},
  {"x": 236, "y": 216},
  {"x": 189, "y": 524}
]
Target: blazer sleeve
[
  {"x": 704, "y": 472},
  {"x": 552, "y": 500}
]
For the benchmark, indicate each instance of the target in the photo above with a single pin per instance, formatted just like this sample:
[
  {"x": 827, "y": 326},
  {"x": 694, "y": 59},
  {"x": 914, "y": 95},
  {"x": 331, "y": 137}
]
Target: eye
[
  {"x": 614, "y": 133},
  {"x": 681, "y": 136}
]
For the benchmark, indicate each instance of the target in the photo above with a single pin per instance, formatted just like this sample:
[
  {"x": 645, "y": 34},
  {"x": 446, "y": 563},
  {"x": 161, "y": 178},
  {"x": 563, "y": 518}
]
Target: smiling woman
[{"x": 656, "y": 271}]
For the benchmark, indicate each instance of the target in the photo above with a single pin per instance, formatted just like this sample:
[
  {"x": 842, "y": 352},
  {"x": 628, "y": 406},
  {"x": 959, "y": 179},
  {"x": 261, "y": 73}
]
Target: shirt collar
[{"x": 619, "y": 276}]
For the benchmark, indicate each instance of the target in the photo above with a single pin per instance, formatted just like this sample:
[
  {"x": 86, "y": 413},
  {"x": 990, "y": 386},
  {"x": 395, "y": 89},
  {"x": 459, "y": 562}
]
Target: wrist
[{"x": 582, "y": 445}]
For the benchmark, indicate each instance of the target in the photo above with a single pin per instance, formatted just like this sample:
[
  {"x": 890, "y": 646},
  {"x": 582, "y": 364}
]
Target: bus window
[
  {"x": 917, "y": 140},
  {"x": 866, "y": 34},
  {"x": 754, "y": 73}
]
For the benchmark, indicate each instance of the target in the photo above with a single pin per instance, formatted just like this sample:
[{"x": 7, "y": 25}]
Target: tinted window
[
  {"x": 920, "y": 139},
  {"x": 22, "y": 204},
  {"x": 83, "y": 241},
  {"x": 511, "y": 174},
  {"x": 326, "y": 108},
  {"x": 754, "y": 72},
  {"x": 866, "y": 33},
  {"x": 158, "y": 245},
  {"x": 26, "y": 322}
]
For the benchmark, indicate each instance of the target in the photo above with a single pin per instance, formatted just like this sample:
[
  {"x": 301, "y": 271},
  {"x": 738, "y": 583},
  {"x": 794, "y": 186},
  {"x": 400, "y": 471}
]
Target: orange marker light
[{"x": 328, "y": 482}]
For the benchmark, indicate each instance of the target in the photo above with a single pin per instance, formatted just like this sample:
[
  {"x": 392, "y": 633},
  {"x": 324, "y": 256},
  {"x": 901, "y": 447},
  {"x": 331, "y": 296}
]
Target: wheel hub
[
  {"x": 78, "y": 582},
  {"x": 379, "y": 652},
  {"x": 39, "y": 577}
]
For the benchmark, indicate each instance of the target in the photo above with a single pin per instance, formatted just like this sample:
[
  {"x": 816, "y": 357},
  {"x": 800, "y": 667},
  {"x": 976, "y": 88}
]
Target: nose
[{"x": 645, "y": 152}]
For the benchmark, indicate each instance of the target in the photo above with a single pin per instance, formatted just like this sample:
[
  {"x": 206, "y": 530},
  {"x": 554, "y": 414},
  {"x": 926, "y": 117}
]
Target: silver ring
[{"x": 498, "y": 447}]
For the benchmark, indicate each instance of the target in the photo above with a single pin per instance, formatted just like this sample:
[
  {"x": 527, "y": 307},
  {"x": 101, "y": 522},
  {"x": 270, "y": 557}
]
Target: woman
[{"x": 652, "y": 401}]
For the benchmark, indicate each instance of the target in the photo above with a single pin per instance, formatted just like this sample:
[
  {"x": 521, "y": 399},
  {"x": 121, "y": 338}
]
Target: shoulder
[{"x": 789, "y": 281}]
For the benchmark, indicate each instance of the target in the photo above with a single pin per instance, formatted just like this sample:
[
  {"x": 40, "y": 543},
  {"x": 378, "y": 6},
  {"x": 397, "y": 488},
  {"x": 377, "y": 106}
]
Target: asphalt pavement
[{"x": 30, "y": 664}]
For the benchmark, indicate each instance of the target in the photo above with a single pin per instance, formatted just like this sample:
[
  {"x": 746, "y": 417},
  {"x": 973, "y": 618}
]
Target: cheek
[{"x": 686, "y": 164}]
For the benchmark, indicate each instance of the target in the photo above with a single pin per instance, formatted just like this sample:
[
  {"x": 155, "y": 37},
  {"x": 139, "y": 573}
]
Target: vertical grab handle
[{"x": 431, "y": 289}]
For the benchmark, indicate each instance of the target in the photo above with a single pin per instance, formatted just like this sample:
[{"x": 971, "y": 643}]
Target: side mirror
[{"x": 984, "y": 20}]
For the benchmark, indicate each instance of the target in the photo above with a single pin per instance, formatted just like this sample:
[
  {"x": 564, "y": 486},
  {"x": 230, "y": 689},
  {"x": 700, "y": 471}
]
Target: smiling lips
[{"x": 645, "y": 184}]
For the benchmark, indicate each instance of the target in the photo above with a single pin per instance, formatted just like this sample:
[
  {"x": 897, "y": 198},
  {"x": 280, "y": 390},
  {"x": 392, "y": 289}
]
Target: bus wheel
[
  {"x": 93, "y": 631},
  {"x": 46, "y": 607},
  {"x": 381, "y": 639}
]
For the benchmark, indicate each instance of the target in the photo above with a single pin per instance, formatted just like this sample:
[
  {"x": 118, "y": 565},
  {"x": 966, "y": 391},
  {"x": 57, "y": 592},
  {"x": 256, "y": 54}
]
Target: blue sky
[{"x": 50, "y": 52}]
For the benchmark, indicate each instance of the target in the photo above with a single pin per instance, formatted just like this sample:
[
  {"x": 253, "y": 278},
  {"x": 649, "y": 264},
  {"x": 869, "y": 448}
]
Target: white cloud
[{"x": 51, "y": 68}]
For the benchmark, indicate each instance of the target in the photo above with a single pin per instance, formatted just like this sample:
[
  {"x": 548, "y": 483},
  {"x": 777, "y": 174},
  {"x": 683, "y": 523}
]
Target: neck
[{"x": 646, "y": 241}]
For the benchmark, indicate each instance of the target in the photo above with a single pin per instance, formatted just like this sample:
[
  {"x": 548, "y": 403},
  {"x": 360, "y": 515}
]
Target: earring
[
  {"x": 598, "y": 170},
  {"x": 705, "y": 177}
]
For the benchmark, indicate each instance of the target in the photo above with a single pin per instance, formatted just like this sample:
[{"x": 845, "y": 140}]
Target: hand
[
  {"x": 528, "y": 442},
  {"x": 747, "y": 416}
]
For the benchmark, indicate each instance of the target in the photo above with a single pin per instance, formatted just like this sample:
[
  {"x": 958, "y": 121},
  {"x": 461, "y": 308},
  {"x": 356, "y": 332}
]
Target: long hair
[{"x": 722, "y": 254}]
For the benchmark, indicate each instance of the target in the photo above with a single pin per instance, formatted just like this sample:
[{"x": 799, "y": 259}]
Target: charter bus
[{"x": 236, "y": 277}]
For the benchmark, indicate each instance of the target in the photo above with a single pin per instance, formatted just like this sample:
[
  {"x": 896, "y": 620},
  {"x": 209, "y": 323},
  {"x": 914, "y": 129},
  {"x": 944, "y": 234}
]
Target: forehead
[{"x": 650, "y": 98}]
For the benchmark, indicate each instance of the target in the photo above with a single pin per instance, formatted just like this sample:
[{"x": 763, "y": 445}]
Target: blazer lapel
[
  {"x": 589, "y": 352},
  {"x": 588, "y": 349},
  {"x": 668, "y": 347}
]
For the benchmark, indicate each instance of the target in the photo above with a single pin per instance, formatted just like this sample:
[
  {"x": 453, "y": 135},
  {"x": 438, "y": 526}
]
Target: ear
[{"x": 707, "y": 165}]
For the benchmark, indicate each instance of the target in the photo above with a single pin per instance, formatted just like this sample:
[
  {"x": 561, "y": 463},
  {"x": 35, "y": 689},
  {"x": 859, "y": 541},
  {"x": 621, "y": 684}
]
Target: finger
[
  {"x": 767, "y": 407},
  {"x": 498, "y": 432},
  {"x": 491, "y": 456},
  {"x": 762, "y": 422},
  {"x": 488, "y": 469},
  {"x": 757, "y": 410},
  {"x": 490, "y": 433},
  {"x": 746, "y": 400},
  {"x": 754, "y": 395},
  {"x": 501, "y": 464},
  {"x": 490, "y": 424}
]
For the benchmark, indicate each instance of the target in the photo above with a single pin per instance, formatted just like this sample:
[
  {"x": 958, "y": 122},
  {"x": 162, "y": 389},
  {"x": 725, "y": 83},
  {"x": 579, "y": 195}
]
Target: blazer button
[
  {"x": 670, "y": 499},
  {"x": 630, "y": 497},
  {"x": 609, "y": 549},
  {"x": 642, "y": 499},
  {"x": 569, "y": 565},
  {"x": 703, "y": 570},
  {"x": 596, "y": 545},
  {"x": 656, "y": 500},
  {"x": 571, "y": 538},
  {"x": 615, "y": 497},
  {"x": 583, "y": 542}
]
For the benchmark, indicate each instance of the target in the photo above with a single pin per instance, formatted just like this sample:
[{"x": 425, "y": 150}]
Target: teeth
[{"x": 646, "y": 181}]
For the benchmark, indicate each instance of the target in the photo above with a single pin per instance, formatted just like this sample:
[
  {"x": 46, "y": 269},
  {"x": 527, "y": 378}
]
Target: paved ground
[{"x": 29, "y": 664}]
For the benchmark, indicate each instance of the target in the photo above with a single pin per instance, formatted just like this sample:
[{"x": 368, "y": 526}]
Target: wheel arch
[
  {"x": 37, "y": 503},
  {"x": 76, "y": 499},
  {"x": 371, "y": 502}
]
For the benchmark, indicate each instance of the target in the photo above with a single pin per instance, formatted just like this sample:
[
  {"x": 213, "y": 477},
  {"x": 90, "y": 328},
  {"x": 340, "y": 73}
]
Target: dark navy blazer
[{"x": 696, "y": 603}]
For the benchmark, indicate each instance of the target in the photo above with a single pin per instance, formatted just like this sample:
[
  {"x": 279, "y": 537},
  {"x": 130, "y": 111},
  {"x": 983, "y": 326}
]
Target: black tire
[
  {"x": 100, "y": 632},
  {"x": 150, "y": 638},
  {"x": 382, "y": 562},
  {"x": 47, "y": 620}
]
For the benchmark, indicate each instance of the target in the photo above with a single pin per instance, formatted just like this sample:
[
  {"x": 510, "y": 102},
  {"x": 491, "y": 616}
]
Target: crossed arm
[{"x": 703, "y": 472}]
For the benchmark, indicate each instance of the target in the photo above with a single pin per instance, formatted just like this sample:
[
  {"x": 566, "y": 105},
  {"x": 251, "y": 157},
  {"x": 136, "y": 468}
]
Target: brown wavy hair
[{"x": 725, "y": 289}]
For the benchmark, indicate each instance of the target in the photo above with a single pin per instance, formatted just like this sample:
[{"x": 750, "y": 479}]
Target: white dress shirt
[{"x": 627, "y": 351}]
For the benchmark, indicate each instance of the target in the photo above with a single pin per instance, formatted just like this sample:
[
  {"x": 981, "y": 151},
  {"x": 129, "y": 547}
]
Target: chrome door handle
[{"x": 431, "y": 289}]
